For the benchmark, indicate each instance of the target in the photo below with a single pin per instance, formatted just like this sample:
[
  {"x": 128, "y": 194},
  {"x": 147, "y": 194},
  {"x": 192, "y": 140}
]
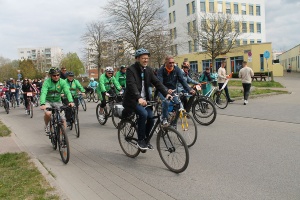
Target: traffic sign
[
  {"x": 267, "y": 54},
  {"x": 19, "y": 76}
]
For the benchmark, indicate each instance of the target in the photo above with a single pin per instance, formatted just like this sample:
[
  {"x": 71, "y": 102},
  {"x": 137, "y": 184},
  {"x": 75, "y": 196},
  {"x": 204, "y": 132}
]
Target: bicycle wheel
[
  {"x": 115, "y": 120},
  {"x": 13, "y": 102},
  {"x": 83, "y": 104},
  {"x": 220, "y": 99},
  {"x": 88, "y": 97},
  {"x": 53, "y": 134},
  {"x": 6, "y": 106},
  {"x": 127, "y": 137},
  {"x": 31, "y": 110},
  {"x": 96, "y": 98},
  {"x": 36, "y": 101},
  {"x": 63, "y": 144},
  {"x": 172, "y": 149},
  {"x": 76, "y": 123},
  {"x": 204, "y": 111},
  {"x": 71, "y": 119},
  {"x": 187, "y": 127},
  {"x": 103, "y": 120}
]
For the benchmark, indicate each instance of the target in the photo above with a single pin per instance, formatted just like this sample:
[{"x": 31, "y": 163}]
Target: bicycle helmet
[
  {"x": 54, "y": 70},
  {"x": 109, "y": 69},
  {"x": 92, "y": 79},
  {"x": 141, "y": 51},
  {"x": 1, "y": 84},
  {"x": 70, "y": 74},
  {"x": 122, "y": 67}
]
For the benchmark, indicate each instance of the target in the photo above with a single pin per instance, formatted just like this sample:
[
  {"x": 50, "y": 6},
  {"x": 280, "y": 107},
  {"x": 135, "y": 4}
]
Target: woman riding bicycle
[
  {"x": 27, "y": 87},
  {"x": 139, "y": 78}
]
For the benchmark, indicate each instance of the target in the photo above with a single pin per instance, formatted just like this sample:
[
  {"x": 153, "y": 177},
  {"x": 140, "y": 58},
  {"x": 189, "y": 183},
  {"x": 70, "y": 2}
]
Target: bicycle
[
  {"x": 91, "y": 94},
  {"x": 113, "y": 100},
  {"x": 58, "y": 134},
  {"x": 13, "y": 97},
  {"x": 169, "y": 142},
  {"x": 203, "y": 109},
  {"x": 5, "y": 102},
  {"x": 36, "y": 100},
  {"x": 74, "y": 120},
  {"x": 218, "y": 95},
  {"x": 82, "y": 101},
  {"x": 29, "y": 108}
]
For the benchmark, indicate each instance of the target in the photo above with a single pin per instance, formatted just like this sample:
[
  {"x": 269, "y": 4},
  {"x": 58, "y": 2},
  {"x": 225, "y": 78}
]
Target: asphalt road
[{"x": 249, "y": 152}]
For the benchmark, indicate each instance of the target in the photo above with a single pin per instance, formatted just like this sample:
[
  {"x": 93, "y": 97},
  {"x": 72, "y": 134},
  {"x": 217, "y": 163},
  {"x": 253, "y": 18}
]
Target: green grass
[
  {"x": 20, "y": 179},
  {"x": 4, "y": 131},
  {"x": 256, "y": 83},
  {"x": 234, "y": 93}
]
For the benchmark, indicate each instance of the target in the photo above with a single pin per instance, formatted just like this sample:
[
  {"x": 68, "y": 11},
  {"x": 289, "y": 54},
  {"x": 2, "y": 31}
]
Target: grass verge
[
  {"x": 4, "y": 131},
  {"x": 234, "y": 93},
  {"x": 20, "y": 179},
  {"x": 271, "y": 84}
]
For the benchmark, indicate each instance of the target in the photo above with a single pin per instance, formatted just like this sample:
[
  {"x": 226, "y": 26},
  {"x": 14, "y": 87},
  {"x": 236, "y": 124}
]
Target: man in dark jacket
[
  {"x": 139, "y": 78},
  {"x": 63, "y": 73},
  {"x": 170, "y": 75}
]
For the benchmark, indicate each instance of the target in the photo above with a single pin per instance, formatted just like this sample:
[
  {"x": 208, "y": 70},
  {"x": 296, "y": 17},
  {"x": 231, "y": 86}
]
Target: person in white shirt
[
  {"x": 246, "y": 74},
  {"x": 222, "y": 77}
]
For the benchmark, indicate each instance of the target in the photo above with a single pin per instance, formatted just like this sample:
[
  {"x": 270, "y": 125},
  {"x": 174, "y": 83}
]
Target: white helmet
[
  {"x": 1, "y": 84},
  {"x": 92, "y": 79},
  {"x": 109, "y": 69}
]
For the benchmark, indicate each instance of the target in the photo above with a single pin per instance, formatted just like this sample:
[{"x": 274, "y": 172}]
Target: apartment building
[
  {"x": 184, "y": 14},
  {"x": 43, "y": 57}
]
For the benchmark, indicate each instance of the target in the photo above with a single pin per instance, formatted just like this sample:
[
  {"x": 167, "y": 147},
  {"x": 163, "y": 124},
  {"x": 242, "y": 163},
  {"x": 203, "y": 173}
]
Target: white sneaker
[
  {"x": 165, "y": 122},
  {"x": 26, "y": 112},
  {"x": 246, "y": 101},
  {"x": 47, "y": 129},
  {"x": 101, "y": 117}
]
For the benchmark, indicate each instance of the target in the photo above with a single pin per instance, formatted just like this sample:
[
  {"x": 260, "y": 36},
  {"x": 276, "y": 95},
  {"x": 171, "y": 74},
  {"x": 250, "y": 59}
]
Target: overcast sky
[{"x": 49, "y": 23}]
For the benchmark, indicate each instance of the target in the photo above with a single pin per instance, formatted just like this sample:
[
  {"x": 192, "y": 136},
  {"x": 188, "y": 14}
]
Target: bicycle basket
[{"x": 118, "y": 110}]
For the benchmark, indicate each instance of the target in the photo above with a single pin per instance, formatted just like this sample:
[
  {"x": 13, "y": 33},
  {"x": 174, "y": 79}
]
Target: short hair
[
  {"x": 223, "y": 61},
  {"x": 244, "y": 62},
  {"x": 168, "y": 58},
  {"x": 63, "y": 68}
]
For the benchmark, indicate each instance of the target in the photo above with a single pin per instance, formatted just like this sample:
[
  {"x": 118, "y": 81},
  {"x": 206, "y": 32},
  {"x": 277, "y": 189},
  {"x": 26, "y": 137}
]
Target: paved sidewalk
[{"x": 8, "y": 144}]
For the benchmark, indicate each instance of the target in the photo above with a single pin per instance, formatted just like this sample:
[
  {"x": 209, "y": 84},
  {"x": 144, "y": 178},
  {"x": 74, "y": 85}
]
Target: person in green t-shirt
[{"x": 121, "y": 76}]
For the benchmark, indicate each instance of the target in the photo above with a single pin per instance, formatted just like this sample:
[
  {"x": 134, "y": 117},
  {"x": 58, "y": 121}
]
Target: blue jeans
[
  {"x": 165, "y": 105},
  {"x": 144, "y": 121}
]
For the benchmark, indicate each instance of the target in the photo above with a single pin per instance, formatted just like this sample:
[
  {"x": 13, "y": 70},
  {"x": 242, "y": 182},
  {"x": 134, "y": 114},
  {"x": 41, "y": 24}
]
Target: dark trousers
[
  {"x": 26, "y": 101},
  {"x": 144, "y": 121},
  {"x": 68, "y": 111},
  {"x": 226, "y": 90},
  {"x": 246, "y": 87}
]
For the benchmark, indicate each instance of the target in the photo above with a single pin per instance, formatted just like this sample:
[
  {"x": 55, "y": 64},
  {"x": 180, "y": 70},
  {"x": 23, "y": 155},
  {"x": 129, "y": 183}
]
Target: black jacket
[
  {"x": 134, "y": 85},
  {"x": 63, "y": 75}
]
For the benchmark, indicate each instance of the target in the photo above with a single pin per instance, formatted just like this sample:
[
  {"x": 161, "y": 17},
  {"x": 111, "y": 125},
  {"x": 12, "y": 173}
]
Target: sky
[{"x": 61, "y": 23}]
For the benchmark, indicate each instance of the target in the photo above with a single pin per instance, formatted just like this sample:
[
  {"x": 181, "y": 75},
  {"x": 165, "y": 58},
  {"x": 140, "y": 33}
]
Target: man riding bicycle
[
  {"x": 121, "y": 76},
  {"x": 139, "y": 78},
  {"x": 106, "y": 81},
  {"x": 170, "y": 75},
  {"x": 51, "y": 96},
  {"x": 74, "y": 85}
]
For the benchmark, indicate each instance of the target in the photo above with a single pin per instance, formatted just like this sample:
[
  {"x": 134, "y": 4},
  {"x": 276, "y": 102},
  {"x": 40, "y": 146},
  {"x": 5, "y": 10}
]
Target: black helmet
[
  {"x": 122, "y": 67},
  {"x": 54, "y": 70},
  {"x": 70, "y": 74},
  {"x": 141, "y": 51}
]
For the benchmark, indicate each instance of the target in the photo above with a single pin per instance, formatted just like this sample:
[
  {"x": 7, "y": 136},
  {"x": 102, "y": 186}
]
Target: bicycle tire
[
  {"x": 71, "y": 120},
  {"x": 95, "y": 97},
  {"x": 115, "y": 120},
  {"x": 13, "y": 102},
  {"x": 76, "y": 124},
  {"x": 83, "y": 104},
  {"x": 127, "y": 136},
  {"x": 7, "y": 107},
  {"x": 187, "y": 127},
  {"x": 170, "y": 143},
  {"x": 31, "y": 110},
  {"x": 53, "y": 134},
  {"x": 36, "y": 101},
  {"x": 222, "y": 101},
  {"x": 64, "y": 148},
  {"x": 88, "y": 97},
  {"x": 204, "y": 111},
  {"x": 102, "y": 122}
]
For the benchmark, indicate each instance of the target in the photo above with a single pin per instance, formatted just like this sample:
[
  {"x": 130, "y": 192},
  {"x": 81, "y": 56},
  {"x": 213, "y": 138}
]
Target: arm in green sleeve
[
  {"x": 44, "y": 93},
  {"x": 102, "y": 84},
  {"x": 79, "y": 86},
  {"x": 116, "y": 83},
  {"x": 67, "y": 92}
]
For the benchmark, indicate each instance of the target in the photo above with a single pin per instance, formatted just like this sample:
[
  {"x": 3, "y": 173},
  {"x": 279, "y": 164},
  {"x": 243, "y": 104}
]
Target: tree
[
  {"x": 217, "y": 34},
  {"x": 95, "y": 39},
  {"x": 4, "y": 61},
  {"x": 8, "y": 71},
  {"x": 28, "y": 69},
  {"x": 72, "y": 63},
  {"x": 134, "y": 21}
]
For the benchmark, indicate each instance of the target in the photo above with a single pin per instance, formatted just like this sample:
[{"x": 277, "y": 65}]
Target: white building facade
[
  {"x": 43, "y": 57},
  {"x": 186, "y": 13}
]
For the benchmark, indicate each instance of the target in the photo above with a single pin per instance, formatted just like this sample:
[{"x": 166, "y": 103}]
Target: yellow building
[
  {"x": 252, "y": 53},
  {"x": 291, "y": 58}
]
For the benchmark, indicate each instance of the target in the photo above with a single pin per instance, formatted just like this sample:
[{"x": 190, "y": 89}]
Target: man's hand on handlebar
[
  {"x": 192, "y": 91},
  {"x": 71, "y": 104},
  {"x": 42, "y": 107},
  {"x": 169, "y": 97},
  {"x": 170, "y": 91},
  {"x": 142, "y": 102}
]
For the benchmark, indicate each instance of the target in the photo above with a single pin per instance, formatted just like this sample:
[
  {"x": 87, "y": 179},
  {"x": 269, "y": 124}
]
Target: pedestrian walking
[
  {"x": 222, "y": 77},
  {"x": 246, "y": 74}
]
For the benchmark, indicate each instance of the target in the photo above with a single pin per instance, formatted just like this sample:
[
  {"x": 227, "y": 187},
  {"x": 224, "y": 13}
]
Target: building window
[
  {"x": 22, "y": 52},
  {"x": 194, "y": 66},
  {"x": 250, "y": 9},
  {"x": 193, "y": 7},
  {"x": 176, "y": 49},
  {"x": 220, "y": 7},
  {"x": 258, "y": 10},
  {"x": 203, "y": 45},
  {"x": 189, "y": 27},
  {"x": 190, "y": 46},
  {"x": 169, "y": 3},
  {"x": 251, "y": 27},
  {"x": 187, "y": 9},
  {"x": 171, "y": 34},
  {"x": 244, "y": 9},
  {"x": 258, "y": 27},
  {"x": 170, "y": 18},
  {"x": 173, "y": 2},
  {"x": 236, "y": 8},
  {"x": 228, "y": 9},
  {"x": 202, "y": 7},
  {"x": 195, "y": 45},
  {"x": 251, "y": 41},
  {"x": 237, "y": 26},
  {"x": 262, "y": 61},
  {"x": 258, "y": 41},
  {"x": 211, "y": 7},
  {"x": 244, "y": 27},
  {"x": 175, "y": 33},
  {"x": 245, "y": 42},
  {"x": 174, "y": 16},
  {"x": 203, "y": 24},
  {"x": 194, "y": 26},
  {"x": 238, "y": 42}
]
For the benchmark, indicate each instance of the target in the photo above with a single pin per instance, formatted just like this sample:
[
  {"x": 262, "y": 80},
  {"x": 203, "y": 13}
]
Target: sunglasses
[
  {"x": 171, "y": 62},
  {"x": 55, "y": 75}
]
